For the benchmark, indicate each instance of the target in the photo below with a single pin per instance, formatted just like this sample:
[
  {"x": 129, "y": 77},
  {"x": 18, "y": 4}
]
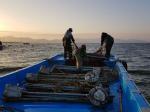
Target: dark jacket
[
  {"x": 108, "y": 39},
  {"x": 68, "y": 39}
]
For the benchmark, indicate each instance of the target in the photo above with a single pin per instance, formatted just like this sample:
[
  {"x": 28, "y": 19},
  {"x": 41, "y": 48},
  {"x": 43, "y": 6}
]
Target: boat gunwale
[
  {"x": 24, "y": 68},
  {"x": 131, "y": 92},
  {"x": 124, "y": 78}
]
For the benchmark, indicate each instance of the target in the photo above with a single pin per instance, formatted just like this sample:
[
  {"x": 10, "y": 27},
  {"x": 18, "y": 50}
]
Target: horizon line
[{"x": 36, "y": 32}]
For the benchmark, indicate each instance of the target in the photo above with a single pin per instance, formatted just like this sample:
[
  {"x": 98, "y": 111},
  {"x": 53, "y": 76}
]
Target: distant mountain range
[
  {"x": 6, "y": 36},
  {"x": 23, "y": 39},
  {"x": 79, "y": 40}
]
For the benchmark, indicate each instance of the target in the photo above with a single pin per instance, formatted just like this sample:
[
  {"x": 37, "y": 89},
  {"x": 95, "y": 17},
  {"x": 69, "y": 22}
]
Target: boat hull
[{"x": 127, "y": 96}]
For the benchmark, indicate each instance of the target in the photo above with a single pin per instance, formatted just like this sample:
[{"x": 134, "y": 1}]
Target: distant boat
[
  {"x": 1, "y": 45},
  {"x": 26, "y": 43}
]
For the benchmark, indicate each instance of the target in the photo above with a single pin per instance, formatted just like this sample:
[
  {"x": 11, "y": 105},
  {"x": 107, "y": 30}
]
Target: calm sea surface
[{"x": 17, "y": 55}]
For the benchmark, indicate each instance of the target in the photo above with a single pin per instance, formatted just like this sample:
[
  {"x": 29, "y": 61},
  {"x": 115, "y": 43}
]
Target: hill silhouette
[{"x": 10, "y": 36}]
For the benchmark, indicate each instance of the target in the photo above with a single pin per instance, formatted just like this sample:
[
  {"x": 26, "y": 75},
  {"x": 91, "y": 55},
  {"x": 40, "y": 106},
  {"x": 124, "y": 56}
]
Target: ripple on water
[{"x": 18, "y": 55}]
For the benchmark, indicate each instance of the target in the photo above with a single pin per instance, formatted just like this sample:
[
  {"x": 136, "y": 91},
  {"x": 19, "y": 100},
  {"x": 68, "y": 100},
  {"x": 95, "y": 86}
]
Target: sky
[{"x": 120, "y": 18}]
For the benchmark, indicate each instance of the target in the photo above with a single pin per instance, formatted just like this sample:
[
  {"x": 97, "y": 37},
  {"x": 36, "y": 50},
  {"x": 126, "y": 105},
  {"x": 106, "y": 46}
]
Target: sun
[{"x": 3, "y": 26}]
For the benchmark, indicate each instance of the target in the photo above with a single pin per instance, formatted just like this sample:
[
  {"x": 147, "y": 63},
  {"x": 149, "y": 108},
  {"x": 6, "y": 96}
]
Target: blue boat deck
[
  {"x": 71, "y": 107},
  {"x": 126, "y": 99}
]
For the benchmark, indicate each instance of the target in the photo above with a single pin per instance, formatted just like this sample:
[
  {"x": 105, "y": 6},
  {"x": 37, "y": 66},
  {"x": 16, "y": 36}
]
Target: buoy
[{"x": 98, "y": 96}]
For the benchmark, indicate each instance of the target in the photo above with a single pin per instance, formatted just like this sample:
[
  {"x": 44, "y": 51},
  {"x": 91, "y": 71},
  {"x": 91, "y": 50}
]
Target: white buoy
[{"x": 97, "y": 96}]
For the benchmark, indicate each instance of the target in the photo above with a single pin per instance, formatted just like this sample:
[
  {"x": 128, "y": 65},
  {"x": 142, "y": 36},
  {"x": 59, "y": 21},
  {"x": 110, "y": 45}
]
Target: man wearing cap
[{"x": 67, "y": 40}]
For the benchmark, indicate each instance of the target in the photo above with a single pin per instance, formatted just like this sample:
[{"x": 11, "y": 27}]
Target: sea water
[{"x": 137, "y": 56}]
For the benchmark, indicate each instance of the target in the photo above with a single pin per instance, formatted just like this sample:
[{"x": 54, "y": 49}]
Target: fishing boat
[
  {"x": 1, "y": 46},
  {"x": 38, "y": 95}
]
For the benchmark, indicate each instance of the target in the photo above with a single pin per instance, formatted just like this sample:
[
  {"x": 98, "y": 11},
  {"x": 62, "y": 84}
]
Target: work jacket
[
  {"x": 68, "y": 39},
  {"x": 108, "y": 39}
]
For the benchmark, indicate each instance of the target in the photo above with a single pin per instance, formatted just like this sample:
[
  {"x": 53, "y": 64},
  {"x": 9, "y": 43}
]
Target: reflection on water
[{"x": 17, "y": 55}]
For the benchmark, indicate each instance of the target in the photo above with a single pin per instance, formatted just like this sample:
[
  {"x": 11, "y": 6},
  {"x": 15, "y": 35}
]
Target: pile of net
[{"x": 65, "y": 83}]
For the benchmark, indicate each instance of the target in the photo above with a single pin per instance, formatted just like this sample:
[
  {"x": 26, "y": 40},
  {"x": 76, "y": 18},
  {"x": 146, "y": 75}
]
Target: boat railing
[{"x": 133, "y": 100}]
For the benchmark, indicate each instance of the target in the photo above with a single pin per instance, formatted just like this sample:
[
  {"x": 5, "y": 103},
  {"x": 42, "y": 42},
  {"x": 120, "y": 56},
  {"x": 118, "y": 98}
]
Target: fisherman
[
  {"x": 67, "y": 41},
  {"x": 106, "y": 44}
]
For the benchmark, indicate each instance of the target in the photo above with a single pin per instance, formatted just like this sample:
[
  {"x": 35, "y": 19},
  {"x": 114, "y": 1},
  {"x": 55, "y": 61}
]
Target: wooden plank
[
  {"x": 60, "y": 88},
  {"x": 62, "y": 76},
  {"x": 55, "y": 94},
  {"x": 47, "y": 99}
]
